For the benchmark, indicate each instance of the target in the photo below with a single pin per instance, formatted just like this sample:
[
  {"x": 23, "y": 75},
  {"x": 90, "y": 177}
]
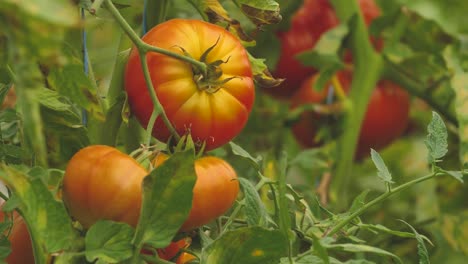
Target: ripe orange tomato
[
  {"x": 100, "y": 182},
  {"x": 212, "y": 111},
  {"x": 386, "y": 118},
  {"x": 215, "y": 190},
  {"x": 21, "y": 246},
  {"x": 174, "y": 248}
]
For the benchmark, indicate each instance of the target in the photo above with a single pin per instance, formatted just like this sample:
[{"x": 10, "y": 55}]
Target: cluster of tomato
[
  {"x": 212, "y": 104},
  {"x": 387, "y": 113}
]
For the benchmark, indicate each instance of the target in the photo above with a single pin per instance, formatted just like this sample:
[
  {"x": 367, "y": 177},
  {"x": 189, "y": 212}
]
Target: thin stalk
[
  {"x": 157, "y": 104},
  {"x": 144, "y": 47},
  {"x": 377, "y": 200}
]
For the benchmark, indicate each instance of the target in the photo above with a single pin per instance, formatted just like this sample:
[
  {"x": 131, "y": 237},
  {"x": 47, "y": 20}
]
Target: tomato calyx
[{"x": 208, "y": 79}]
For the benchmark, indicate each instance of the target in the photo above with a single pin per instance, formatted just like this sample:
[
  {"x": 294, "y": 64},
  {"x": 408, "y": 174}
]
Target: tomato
[
  {"x": 174, "y": 248},
  {"x": 386, "y": 118},
  {"x": 21, "y": 246},
  {"x": 185, "y": 258},
  {"x": 215, "y": 190},
  {"x": 171, "y": 251},
  {"x": 310, "y": 21},
  {"x": 100, "y": 182},
  {"x": 212, "y": 112}
]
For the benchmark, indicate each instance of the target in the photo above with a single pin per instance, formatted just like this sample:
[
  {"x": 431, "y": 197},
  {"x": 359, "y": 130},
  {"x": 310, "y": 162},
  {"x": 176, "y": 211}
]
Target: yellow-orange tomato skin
[
  {"x": 215, "y": 190},
  {"x": 213, "y": 117},
  {"x": 102, "y": 183}
]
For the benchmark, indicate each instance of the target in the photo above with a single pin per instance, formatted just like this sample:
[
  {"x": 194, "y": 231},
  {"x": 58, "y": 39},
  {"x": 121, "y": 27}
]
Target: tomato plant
[
  {"x": 385, "y": 120},
  {"x": 212, "y": 106},
  {"x": 214, "y": 193},
  {"x": 101, "y": 182},
  {"x": 92, "y": 101},
  {"x": 18, "y": 235},
  {"x": 308, "y": 23}
]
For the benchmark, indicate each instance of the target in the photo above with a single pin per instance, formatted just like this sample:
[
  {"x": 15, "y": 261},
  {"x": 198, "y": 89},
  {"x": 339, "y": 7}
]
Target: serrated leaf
[
  {"x": 262, "y": 75},
  {"x": 239, "y": 151},
  {"x": 109, "y": 241},
  {"x": 422, "y": 251},
  {"x": 255, "y": 211},
  {"x": 456, "y": 174},
  {"x": 436, "y": 141},
  {"x": 261, "y": 12},
  {"x": 355, "y": 248},
  {"x": 248, "y": 245},
  {"x": 382, "y": 169},
  {"x": 167, "y": 200},
  {"x": 71, "y": 81},
  {"x": 45, "y": 216},
  {"x": 217, "y": 13}
]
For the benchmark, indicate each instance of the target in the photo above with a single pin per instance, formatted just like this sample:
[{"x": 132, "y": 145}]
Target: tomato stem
[
  {"x": 368, "y": 68},
  {"x": 143, "y": 48},
  {"x": 158, "y": 109},
  {"x": 380, "y": 198}
]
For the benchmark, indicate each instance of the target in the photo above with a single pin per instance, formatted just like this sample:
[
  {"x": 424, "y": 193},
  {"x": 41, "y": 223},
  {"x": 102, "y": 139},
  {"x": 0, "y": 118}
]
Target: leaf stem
[{"x": 377, "y": 200}]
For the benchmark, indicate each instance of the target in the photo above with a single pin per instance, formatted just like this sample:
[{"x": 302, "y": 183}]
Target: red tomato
[
  {"x": 213, "y": 113},
  {"x": 386, "y": 118},
  {"x": 214, "y": 193},
  {"x": 101, "y": 182},
  {"x": 171, "y": 251},
  {"x": 310, "y": 21},
  {"x": 21, "y": 246}
]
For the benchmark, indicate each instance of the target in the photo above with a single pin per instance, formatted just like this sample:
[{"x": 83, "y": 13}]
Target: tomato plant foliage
[{"x": 233, "y": 131}]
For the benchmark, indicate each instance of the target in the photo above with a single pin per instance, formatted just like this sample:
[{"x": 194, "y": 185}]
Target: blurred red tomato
[{"x": 386, "y": 118}]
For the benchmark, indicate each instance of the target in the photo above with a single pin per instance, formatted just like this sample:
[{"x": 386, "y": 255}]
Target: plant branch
[
  {"x": 377, "y": 200},
  {"x": 157, "y": 104},
  {"x": 368, "y": 66}
]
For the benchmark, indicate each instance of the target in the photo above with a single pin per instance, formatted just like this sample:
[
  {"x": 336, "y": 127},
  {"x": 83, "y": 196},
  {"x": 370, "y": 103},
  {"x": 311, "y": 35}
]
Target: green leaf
[
  {"x": 325, "y": 53},
  {"x": 456, "y": 174},
  {"x": 355, "y": 248},
  {"x": 454, "y": 228},
  {"x": 359, "y": 201},
  {"x": 382, "y": 169},
  {"x": 249, "y": 245},
  {"x": 62, "y": 126},
  {"x": 255, "y": 211},
  {"x": 239, "y": 151},
  {"x": 71, "y": 81},
  {"x": 167, "y": 200},
  {"x": 262, "y": 75},
  {"x": 459, "y": 83},
  {"x": 436, "y": 141},
  {"x": 60, "y": 12},
  {"x": 309, "y": 159},
  {"x": 381, "y": 228},
  {"x": 422, "y": 251},
  {"x": 5, "y": 247},
  {"x": 47, "y": 219},
  {"x": 109, "y": 241},
  {"x": 261, "y": 13}
]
